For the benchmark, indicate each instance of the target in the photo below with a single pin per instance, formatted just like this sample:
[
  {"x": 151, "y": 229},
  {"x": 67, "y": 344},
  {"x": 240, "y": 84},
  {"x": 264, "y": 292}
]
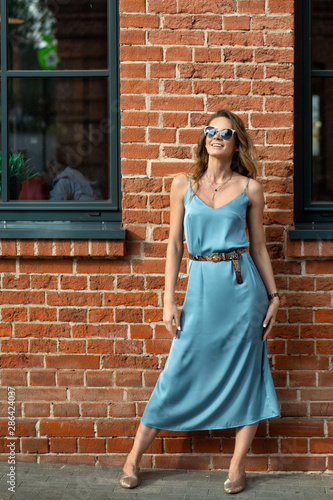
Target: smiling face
[{"x": 218, "y": 147}]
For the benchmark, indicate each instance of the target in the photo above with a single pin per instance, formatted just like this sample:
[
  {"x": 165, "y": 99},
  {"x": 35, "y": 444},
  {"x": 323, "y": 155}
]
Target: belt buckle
[
  {"x": 234, "y": 256},
  {"x": 216, "y": 257}
]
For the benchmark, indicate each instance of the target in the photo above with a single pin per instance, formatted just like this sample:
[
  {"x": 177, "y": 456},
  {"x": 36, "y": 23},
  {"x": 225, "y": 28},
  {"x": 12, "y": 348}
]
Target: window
[
  {"x": 59, "y": 164},
  {"x": 313, "y": 177}
]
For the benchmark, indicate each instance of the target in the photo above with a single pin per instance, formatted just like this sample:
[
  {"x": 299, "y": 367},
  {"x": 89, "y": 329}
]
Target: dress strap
[{"x": 247, "y": 183}]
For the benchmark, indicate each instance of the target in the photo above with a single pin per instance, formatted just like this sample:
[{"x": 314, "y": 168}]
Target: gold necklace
[{"x": 216, "y": 189}]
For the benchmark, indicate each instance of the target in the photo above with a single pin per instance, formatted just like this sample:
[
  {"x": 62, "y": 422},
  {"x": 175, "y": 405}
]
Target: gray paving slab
[{"x": 81, "y": 482}]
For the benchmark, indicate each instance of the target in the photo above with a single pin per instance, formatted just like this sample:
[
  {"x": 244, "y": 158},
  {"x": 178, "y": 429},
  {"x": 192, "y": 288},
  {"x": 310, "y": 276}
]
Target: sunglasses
[{"x": 225, "y": 133}]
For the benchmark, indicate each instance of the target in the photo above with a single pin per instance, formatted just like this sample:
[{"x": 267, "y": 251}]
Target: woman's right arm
[{"x": 174, "y": 251}]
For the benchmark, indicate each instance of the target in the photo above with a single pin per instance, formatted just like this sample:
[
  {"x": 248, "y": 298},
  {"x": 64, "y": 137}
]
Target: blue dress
[{"x": 217, "y": 374}]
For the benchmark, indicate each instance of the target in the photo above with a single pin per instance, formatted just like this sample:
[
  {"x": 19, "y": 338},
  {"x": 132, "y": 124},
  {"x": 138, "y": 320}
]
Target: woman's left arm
[{"x": 258, "y": 250}]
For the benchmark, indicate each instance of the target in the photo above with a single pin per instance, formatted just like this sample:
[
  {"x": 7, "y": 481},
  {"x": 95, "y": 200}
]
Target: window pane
[
  {"x": 57, "y": 34},
  {"x": 58, "y": 138},
  {"x": 322, "y": 143},
  {"x": 322, "y": 34}
]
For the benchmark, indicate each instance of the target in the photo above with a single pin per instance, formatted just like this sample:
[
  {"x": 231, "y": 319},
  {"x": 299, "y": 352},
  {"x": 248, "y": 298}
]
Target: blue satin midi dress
[{"x": 217, "y": 374}]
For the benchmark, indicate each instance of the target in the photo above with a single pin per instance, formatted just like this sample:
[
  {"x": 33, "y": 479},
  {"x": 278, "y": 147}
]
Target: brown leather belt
[{"x": 218, "y": 256}]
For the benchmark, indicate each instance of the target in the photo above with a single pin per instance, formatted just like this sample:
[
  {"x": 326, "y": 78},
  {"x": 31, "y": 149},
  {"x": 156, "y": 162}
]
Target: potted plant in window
[{"x": 19, "y": 171}]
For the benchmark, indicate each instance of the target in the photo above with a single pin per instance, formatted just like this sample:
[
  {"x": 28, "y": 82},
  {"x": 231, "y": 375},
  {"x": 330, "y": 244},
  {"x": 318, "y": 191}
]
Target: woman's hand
[
  {"x": 270, "y": 316},
  {"x": 170, "y": 314}
]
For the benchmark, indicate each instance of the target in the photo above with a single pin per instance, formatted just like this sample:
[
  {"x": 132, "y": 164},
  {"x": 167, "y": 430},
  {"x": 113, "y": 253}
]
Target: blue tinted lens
[
  {"x": 210, "y": 131},
  {"x": 226, "y": 134}
]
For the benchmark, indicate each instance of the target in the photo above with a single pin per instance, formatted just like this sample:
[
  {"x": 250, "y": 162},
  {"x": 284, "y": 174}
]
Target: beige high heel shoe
[
  {"x": 235, "y": 486},
  {"x": 132, "y": 481}
]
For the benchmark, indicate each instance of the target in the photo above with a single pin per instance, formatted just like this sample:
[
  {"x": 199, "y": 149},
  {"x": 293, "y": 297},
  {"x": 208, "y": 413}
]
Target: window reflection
[
  {"x": 60, "y": 127},
  {"x": 322, "y": 144},
  {"x": 322, "y": 34},
  {"x": 57, "y": 34}
]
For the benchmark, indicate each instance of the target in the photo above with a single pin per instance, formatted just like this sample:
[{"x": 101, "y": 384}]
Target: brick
[
  {"x": 207, "y": 54},
  {"x": 138, "y": 21},
  {"x": 312, "y": 331},
  {"x": 132, "y": 6},
  {"x": 92, "y": 445},
  {"x": 43, "y": 345},
  {"x": 27, "y": 248},
  {"x": 14, "y": 378},
  {"x": 251, "y": 6},
  {"x": 210, "y": 6},
  {"x": 200, "y": 445},
  {"x": 74, "y": 299},
  {"x": 46, "y": 266},
  {"x": 297, "y": 428},
  {"x": 14, "y": 314},
  {"x": 168, "y": 37},
  {"x": 141, "y": 53},
  {"x": 177, "y": 103},
  {"x": 298, "y": 362},
  {"x": 297, "y": 463},
  {"x": 238, "y": 55},
  {"x": 73, "y": 282},
  {"x": 48, "y": 282},
  {"x": 34, "y": 445},
  {"x": 133, "y": 37},
  {"x": 41, "y": 330},
  {"x": 94, "y": 410},
  {"x": 324, "y": 316},
  {"x": 101, "y": 316},
  {"x": 281, "y": 6},
  {"x": 42, "y": 314},
  {"x": 65, "y": 410},
  {"x": 237, "y": 23},
  {"x": 96, "y": 394},
  {"x": 72, "y": 346},
  {"x": 63, "y": 445},
  {"x": 19, "y": 283},
  {"x": 175, "y": 21},
  {"x": 100, "y": 346},
  {"x": 138, "y": 87},
  {"x": 73, "y": 360},
  {"x": 20, "y": 360},
  {"x": 5, "y": 330},
  {"x": 162, "y": 6},
  {"x": 104, "y": 378},
  {"x": 274, "y": 23},
  {"x": 99, "y": 330},
  {"x": 321, "y": 445},
  {"x": 129, "y": 70},
  {"x": 294, "y": 446},
  {"x": 163, "y": 70},
  {"x": 14, "y": 345},
  {"x": 8, "y": 248},
  {"x": 66, "y": 428},
  {"x": 20, "y": 298},
  {"x": 128, "y": 379},
  {"x": 302, "y": 378},
  {"x": 7, "y": 266},
  {"x": 37, "y": 410}
]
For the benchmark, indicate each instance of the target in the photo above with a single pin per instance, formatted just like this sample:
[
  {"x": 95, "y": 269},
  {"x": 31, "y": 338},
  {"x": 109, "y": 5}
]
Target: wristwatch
[{"x": 275, "y": 294}]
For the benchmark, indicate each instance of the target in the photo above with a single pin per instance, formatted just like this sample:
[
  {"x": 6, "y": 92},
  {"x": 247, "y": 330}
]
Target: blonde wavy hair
[{"x": 244, "y": 160}]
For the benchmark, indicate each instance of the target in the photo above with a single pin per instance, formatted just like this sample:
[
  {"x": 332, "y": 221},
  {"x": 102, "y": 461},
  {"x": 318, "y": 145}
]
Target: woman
[{"x": 217, "y": 373}]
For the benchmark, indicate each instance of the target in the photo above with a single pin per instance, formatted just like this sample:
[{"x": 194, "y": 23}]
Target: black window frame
[
  {"x": 66, "y": 220},
  {"x": 312, "y": 220}
]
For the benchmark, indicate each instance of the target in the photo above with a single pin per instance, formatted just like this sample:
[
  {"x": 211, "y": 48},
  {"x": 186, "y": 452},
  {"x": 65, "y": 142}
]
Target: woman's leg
[
  {"x": 143, "y": 439},
  {"x": 244, "y": 438}
]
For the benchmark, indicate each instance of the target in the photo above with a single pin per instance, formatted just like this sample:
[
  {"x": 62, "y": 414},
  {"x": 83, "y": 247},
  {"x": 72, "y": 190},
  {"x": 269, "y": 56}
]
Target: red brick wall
[{"x": 82, "y": 337}]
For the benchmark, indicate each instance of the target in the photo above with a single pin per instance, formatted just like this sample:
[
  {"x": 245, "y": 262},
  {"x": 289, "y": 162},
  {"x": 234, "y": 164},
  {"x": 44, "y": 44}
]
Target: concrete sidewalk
[{"x": 81, "y": 482}]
